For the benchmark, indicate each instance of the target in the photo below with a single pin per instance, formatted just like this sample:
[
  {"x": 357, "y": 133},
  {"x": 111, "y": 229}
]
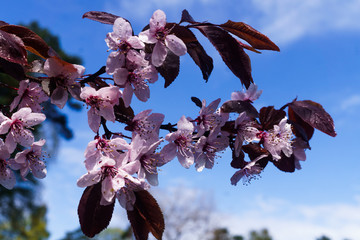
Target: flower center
[
  {"x": 94, "y": 101},
  {"x": 124, "y": 47},
  {"x": 160, "y": 35},
  {"x": 109, "y": 171}
]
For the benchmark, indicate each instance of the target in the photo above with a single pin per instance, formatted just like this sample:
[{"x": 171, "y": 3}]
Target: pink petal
[
  {"x": 121, "y": 76},
  {"x": 122, "y": 28},
  {"x": 135, "y": 42},
  {"x": 89, "y": 179},
  {"x": 33, "y": 119},
  {"x": 59, "y": 97},
  {"x": 169, "y": 151},
  {"x": 127, "y": 94},
  {"x": 142, "y": 93},
  {"x": 93, "y": 120},
  {"x": 147, "y": 37},
  {"x": 7, "y": 178},
  {"x": 107, "y": 111},
  {"x": 175, "y": 44},
  {"x": 158, "y": 20},
  {"x": 159, "y": 54}
]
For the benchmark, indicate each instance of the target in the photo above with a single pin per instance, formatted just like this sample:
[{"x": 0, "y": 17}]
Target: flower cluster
[{"x": 124, "y": 164}]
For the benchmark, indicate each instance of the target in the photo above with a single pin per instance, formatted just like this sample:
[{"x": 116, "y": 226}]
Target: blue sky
[{"x": 319, "y": 60}]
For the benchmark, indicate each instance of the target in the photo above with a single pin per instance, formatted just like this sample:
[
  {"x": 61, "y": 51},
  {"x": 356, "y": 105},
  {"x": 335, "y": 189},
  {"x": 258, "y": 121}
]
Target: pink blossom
[
  {"x": 249, "y": 172},
  {"x": 126, "y": 195},
  {"x": 241, "y": 124},
  {"x": 251, "y": 94},
  {"x": 157, "y": 34},
  {"x": 16, "y": 126},
  {"x": 278, "y": 140},
  {"x": 102, "y": 104},
  {"x": 123, "y": 42},
  {"x": 146, "y": 125},
  {"x": 144, "y": 151},
  {"x": 63, "y": 74},
  {"x": 112, "y": 175},
  {"x": 180, "y": 143},
  {"x": 206, "y": 149},
  {"x": 7, "y": 176},
  {"x": 30, "y": 94},
  {"x": 103, "y": 147},
  {"x": 209, "y": 119},
  {"x": 299, "y": 147},
  {"x": 134, "y": 81},
  {"x": 31, "y": 159}
]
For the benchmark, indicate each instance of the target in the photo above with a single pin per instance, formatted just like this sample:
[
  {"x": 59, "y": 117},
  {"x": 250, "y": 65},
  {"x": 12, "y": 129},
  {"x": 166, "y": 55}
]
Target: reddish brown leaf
[
  {"x": 254, "y": 151},
  {"x": 197, "y": 101},
  {"x": 230, "y": 50},
  {"x": 169, "y": 70},
  {"x": 33, "y": 42},
  {"x": 315, "y": 115},
  {"x": 12, "y": 48},
  {"x": 285, "y": 164},
  {"x": 248, "y": 47},
  {"x": 123, "y": 114},
  {"x": 93, "y": 217},
  {"x": 150, "y": 211},
  {"x": 239, "y": 107},
  {"x": 238, "y": 162},
  {"x": 12, "y": 69},
  {"x": 102, "y": 17},
  {"x": 185, "y": 17},
  {"x": 269, "y": 117},
  {"x": 194, "y": 49},
  {"x": 138, "y": 224},
  {"x": 300, "y": 128},
  {"x": 2, "y": 23},
  {"x": 255, "y": 38}
]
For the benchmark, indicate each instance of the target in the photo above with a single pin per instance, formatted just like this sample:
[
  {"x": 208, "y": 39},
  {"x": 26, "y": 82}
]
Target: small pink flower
[
  {"x": 112, "y": 175},
  {"x": 63, "y": 75},
  {"x": 180, "y": 143},
  {"x": 103, "y": 147},
  {"x": 146, "y": 125},
  {"x": 206, "y": 149},
  {"x": 30, "y": 94},
  {"x": 135, "y": 81},
  {"x": 31, "y": 159},
  {"x": 249, "y": 172},
  {"x": 157, "y": 34},
  {"x": 16, "y": 126},
  {"x": 251, "y": 94},
  {"x": 7, "y": 176},
  {"x": 123, "y": 42},
  {"x": 102, "y": 104}
]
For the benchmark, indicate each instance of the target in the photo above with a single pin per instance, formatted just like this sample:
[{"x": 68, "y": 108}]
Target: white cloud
[
  {"x": 350, "y": 103},
  {"x": 288, "y": 20},
  {"x": 286, "y": 220}
]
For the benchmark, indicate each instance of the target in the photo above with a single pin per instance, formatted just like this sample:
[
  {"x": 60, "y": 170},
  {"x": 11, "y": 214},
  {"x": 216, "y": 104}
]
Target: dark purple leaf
[
  {"x": 255, "y": 38},
  {"x": 149, "y": 209},
  {"x": 185, "y": 17},
  {"x": 138, "y": 224},
  {"x": 2, "y": 23},
  {"x": 315, "y": 115},
  {"x": 33, "y": 42},
  {"x": 169, "y": 70},
  {"x": 230, "y": 50},
  {"x": 238, "y": 162},
  {"x": 123, "y": 114},
  {"x": 300, "y": 128},
  {"x": 194, "y": 49},
  {"x": 93, "y": 217},
  {"x": 285, "y": 164},
  {"x": 254, "y": 150},
  {"x": 102, "y": 17},
  {"x": 239, "y": 107},
  {"x": 12, "y": 69},
  {"x": 12, "y": 48},
  {"x": 269, "y": 117},
  {"x": 197, "y": 101}
]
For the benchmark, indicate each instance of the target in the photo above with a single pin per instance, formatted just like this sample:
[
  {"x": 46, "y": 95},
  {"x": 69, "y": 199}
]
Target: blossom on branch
[
  {"x": 101, "y": 104},
  {"x": 7, "y": 176},
  {"x": 17, "y": 125},
  {"x": 159, "y": 35},
  {"x": 62, "y": 76},
  {"x": 30, "y": 94}
]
